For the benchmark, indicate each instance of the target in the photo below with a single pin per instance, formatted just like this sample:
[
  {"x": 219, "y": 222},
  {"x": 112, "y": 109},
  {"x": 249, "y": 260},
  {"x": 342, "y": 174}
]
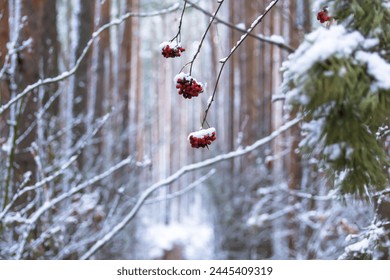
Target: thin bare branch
[
  {"x": 238, "y": 44},
  {"x": 191, "y": 63}
]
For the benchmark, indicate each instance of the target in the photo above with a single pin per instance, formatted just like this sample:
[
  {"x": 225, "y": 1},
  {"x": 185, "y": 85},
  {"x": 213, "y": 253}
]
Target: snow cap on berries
[
  {"x": 202, "y": 138},
  {"x": 171, "y": 49},
  {"x": 188, "y": 86}
]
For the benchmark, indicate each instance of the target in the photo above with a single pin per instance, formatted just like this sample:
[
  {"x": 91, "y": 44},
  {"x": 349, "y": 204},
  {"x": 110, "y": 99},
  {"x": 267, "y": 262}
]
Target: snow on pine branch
[
  {"x": 185, "y": 169},
  {"x": 66, "y": 74},
  {"x": 369, "y": 240}
]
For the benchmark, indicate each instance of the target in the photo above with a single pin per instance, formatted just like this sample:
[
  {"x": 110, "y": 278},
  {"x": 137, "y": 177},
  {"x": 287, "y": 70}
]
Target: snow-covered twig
[
  {"x": 11, "y": 52},
  {"x": 37, "y": 185},
  {"x": 261, "y": 219},
  {"x": 190, "y": 187},
  {"x": 39, "y": 115},
  {"x": 178, "y": 34},
  {"x": 238, "y": 44},
  {"x": 75, "y": 247},
  {"x": 59, "y": 172},
  {"x": 383, "y": 192},
  {"x": 185, "y": 169},
  {"x": 71, "y": 71},
  {"x": 259, "y": 37},
  {"x": 191, "y": 63}
]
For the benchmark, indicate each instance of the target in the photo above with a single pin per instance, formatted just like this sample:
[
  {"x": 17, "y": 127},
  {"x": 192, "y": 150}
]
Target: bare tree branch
[
  {"x": 95, "y": 35},
  {"x": 238, "y": 44},
  {"x": 259, "y": 37}
]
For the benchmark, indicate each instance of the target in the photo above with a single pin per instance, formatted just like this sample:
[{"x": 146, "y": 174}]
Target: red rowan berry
[
  {"x": 170, "y": 49},
  {"x": 202, "y": 138}
]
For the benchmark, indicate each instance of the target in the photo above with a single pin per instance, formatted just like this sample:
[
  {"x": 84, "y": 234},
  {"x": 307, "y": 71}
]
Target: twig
[
  {"x": 261, "y": 38},
  {"x": 182, "y": 191},
  {"x": 239, "y": 42},
  {"x": 191, "y": 63},
  {"x": 178, "y": 35}
]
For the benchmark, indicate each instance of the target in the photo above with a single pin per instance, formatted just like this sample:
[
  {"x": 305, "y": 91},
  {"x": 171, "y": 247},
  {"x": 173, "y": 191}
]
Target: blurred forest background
[{"x": 99, "y": 126}]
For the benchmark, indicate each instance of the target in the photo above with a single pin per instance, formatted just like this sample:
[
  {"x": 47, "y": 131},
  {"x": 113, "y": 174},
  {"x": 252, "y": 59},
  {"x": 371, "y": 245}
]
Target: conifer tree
[{"x": 339, "y": 81}]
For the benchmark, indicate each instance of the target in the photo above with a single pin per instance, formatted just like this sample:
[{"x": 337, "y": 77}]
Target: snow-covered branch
[
  {"x": 271, "y": 40},
  {"x": 187, "y": 189},
  {"x": 185, "y": 169},
  {"x": 50, "y": 204},
  {"x": 66, "y": 74}
]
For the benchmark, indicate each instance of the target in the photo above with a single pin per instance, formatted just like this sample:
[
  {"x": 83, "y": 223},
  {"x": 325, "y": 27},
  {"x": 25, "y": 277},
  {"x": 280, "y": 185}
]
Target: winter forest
[{"x": 194, "y": 129}]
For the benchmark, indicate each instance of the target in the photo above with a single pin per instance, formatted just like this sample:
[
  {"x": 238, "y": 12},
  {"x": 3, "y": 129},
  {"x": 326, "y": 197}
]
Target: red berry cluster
[
  {"x": 188, "y": 87},
  {"x": 202, "y": 138},
  {"x": 169, "y": 51},
  {"x": 322, "y": 16}
]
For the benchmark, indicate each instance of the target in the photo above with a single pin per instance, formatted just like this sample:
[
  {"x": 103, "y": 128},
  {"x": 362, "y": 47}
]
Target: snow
[
  {"x": 370, "y": 43},
  {"x": 6, "y": 147},
  {"x": 172, "y": 45},
  {"x": 342, "y": 71},
  {"x": 181, "y": 75},
  {"x": 368, "y": 242},
  {"x": 360, "y": 246},
  {"x": 322, "y": 44},
  {"x": 337, "y": 42},
  {"x": 377, "y": 67},
  {"x": 194, "y": 240},
  {"x": 270, "y": 5},
  {"x": 187, "y": 76},
  {"x": 277, "y": 39},
  {"x": 333, "y": 151},
  {"x": 209, "y": 100},
  {"x": 201, "y": 133},
  {"x": 223, "y": 60},
  {"x": 241, "y": 25},
  {"x": 312, "y": 132}
]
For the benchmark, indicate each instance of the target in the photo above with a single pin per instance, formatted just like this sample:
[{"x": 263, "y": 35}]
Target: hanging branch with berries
[
  {"x": 173, "y": 48},
  {"x": 189, "y": 87}
]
